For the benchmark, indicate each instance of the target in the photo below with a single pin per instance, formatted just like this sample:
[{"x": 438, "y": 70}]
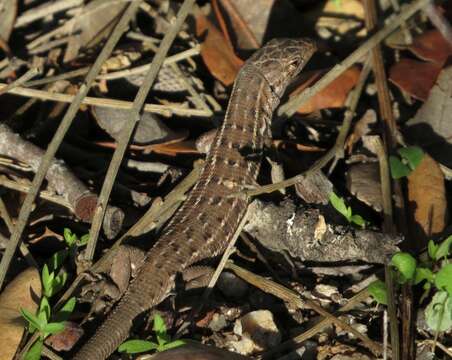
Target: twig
[
  {"x": 117, "y": 74},
  {"x": 58, "y": 138},
  {"x": 384, "y": 99},
  {"x": 164, "y": 110},
  {"x": 59, "y": 177},
  {"x": 294, "y": 104},
  {"x": 334, "y": 152},
  {"x": 318, "y": 327},
  {"x": 46, "y": 9},
  {"x": 24, "y": 78},
  {"x": 126, "y": 132},
  {"x": 143, "y": 68},
  {"x": 374, "y": 144},
  {"x": 43, "y": 194},
  {"x": 155, "y": 217},
  {"x": 293, "y": 298},
  {"x": 4, "y": 214},
  {"x": 196, "y": 98},
  {"x": 439, "y": 21},
  {"x": 392, "y": 313},
  {"x": 213, "y": 280},
  {"x": 352, "y": 103},
  {"x": 405, "y": 29}
]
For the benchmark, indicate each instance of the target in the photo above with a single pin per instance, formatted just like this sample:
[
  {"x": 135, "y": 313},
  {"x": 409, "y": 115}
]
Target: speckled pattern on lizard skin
[{"x": 208, "y": 219}]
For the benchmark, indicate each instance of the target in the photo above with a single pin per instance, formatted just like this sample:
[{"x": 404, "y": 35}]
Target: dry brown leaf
[
  {"x": 431, "y": 46},
  {"x": 218, "y": 56},
  {"x": 93, "y": 25},
  {"x": 173, "y": 149},
  {"x": 22, "y": 292},
  {"x": 414, "y": 77},
  {"x": 431, "y": 127},
  {"x": 427, "y": 197},
  {"x": 334, "y": 95},
  {"x": 361, "y": 128}
]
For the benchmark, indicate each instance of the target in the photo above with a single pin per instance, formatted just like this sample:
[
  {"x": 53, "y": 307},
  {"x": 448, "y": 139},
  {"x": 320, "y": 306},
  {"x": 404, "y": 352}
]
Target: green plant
[
  {"x": 41, "y": 323},
  {"x": 410, "y": 158},
  {"x": 163, "y": 343},
  {"x": 53, "y": 279},
  {"x": 339, "y": 204},
  {"x": 434, "y": 274}
]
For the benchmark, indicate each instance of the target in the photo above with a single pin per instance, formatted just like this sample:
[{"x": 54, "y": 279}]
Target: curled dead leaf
[
  {"x": 23, "y": 292},
  {"x": 431, "y": 46},
  {"x": 414, "y": 77},
  {"x": 427, "y": 197},
  {"x": 334, "y": 95},
  {"x": 216, "y": 53}
]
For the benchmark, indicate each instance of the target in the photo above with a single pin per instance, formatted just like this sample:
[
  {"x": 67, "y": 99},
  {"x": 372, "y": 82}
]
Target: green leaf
[
  {"x": 432, "y": 248},
  {"x": 339, "y": 204},
  {"x": 398, "y": 169},
  {"x": 69, "y": 237},
  {"x": 34, "y": 353},
  {"x": 412, "y": 154},
  {"x": 427, "y": 287},
  {"x": 47, "y": 281},
  {"x": 159, "y": 324},
  {"x": 137, "y": 346},
  {"x": 66, "y": 311},
  {"x": 443, "y": 279},
  {"x": 378, "y": 291},
  {"x": 358, "y": 220},
  {"x": 405, "y": 264},
  {"x": 44, "y": 309},
  {"x": 172, "y": 345},
  {"x": 83, "y": 240},
  {"x": 59, "y": 282},
  {"x": 443, "y": 249},
  {"x": 438, "y": 314},
  {"x": 423, "y": 274},
  {"x": 57, "y": 260},
  {"x": 32, "y": 319},
  {"x": 53, "y": 328}
]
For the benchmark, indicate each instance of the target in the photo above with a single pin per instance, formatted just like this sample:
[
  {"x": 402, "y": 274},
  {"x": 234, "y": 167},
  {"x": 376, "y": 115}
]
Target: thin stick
[
  {"x": 334, "y": 152},
  {"x": 318, "y": 327},
  {"x": 293, "y": 105},
  {"x": 164, "y": 110},
  {"x": 58, "y": 138},
  {"x": 24, "y": 78},
  {"x": 213, "y": 280},
  {"x": 290, "y": 296},
  {"x": 126, "y": 132}
]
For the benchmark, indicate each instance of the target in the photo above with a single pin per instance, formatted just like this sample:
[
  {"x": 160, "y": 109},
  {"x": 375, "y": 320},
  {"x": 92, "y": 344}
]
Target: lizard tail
[
  {"x": 143, "y": 293},
  {"x": 111, "y": 333}
]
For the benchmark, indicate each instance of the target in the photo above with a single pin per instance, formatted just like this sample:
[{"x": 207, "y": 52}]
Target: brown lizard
[{"x": 208, "y": 219}]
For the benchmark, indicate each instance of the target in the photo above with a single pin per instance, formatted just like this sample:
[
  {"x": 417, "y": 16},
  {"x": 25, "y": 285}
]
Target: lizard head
[{"x": 280, "y": 60}]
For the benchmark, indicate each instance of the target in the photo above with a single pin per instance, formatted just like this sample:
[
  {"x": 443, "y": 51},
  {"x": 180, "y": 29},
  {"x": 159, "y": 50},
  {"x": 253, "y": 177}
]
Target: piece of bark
[
  {"x": 363, "y": 181},
  {"x": 314, "y": 188},
  {"x": 61, "y": 180},
  {"x": 304, "y": 234}
]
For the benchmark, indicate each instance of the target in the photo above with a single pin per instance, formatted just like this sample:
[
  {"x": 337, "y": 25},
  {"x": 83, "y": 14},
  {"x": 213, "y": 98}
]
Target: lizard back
[{"x": 208, "y": 219}]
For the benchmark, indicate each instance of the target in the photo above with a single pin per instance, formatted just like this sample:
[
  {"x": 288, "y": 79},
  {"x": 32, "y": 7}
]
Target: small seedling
[
  {"x": 163, "y": 340},
  {"x": 339, "y": 204},
  {"x": 41, "y": 323},
  {"x": 410, "y": 158},
  {"x": 53, "y": 279},
  {"x": 434, "y": 274},
  {"x": 72, "y": 239}
]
